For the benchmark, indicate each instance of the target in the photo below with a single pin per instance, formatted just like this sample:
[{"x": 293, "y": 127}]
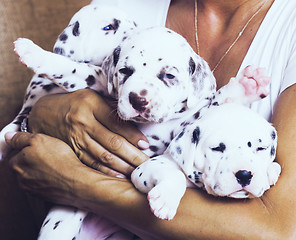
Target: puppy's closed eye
[
  {"x": 261, "y": 149},
  {"x": 220, "y": 148}
]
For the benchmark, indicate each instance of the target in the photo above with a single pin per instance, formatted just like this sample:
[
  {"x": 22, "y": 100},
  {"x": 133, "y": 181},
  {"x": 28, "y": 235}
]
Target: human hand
[
  {"x": 45, "y": 166},
  {"x": 90, "y": 126}
]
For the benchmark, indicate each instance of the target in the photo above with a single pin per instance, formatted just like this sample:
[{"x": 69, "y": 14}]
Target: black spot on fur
[
  {"x": 74, "y": 70},
  {"x": 192, "y": 66},
  {"x": 90, "y": 81},
  {"x": 273, "y": 135},
  {"x": 198, "y": 68},
  {"x": 220, "y": 148},
  {"x": 184, "y": 124},
  {"x": 47, "y": 221},
  {"x": 143, "y": 93},
  {"x": 153, "y": 148},
  {"x": 39, "y": 76},
  {"x": 116, "y": 24},
  {"x": 56, "y": 225},
  {"x": 196, "y": 115},
  {"x": 249, "y": 144},
  {"x": 58, "y": 76},
  {"x": 75, "y": 30},
  {"x": 155, "y": 137},
  {"x": 49, "y": 87},
  {"x": 63, "y": 37},
  {"x": 116, "y": 54},
  {"x": 183, "y": 109},
  {"x": 172, "y": 135},
  {"x": 59, "y": 51},
  {"x": 181, "y": 134},
  {"x": 195, "y": 136},
  {"x": 179, "y": 150},
  {"x": 272, "y": 151}
]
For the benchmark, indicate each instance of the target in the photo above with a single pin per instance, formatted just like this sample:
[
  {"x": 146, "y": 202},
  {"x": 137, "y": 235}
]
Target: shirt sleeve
[{"x": 290, "y": 71}]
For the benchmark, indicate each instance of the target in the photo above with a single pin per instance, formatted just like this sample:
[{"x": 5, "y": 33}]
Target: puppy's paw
[
  {"x": 29, "y": 53},
  {"x": 4, "y": 147},
  {"x": 163, "y": 202},
  {"x": 255, "y": 82}
]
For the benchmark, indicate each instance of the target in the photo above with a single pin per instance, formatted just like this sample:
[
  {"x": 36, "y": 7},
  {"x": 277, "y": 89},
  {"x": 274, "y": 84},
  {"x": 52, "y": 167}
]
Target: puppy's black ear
[{"x": 116, "y": 54}]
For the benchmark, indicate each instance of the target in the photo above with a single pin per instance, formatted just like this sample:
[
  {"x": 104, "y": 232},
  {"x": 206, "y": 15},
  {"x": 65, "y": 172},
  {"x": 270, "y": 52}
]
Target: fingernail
[
  {"x": 8, "y": 136},
  {"x": 143, "y": 144},
  {"x": 120, "y": 176}
]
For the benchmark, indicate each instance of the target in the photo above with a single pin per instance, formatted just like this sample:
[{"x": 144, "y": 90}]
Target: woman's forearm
[{"x": 199, "y": 216}]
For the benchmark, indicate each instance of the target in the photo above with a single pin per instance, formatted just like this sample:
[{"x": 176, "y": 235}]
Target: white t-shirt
[{"x": 274, "y": 46}]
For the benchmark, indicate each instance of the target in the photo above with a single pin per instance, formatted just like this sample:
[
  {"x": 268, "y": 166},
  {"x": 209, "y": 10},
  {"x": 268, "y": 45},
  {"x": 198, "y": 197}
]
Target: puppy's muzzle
[{"x": 138, "y": 103}]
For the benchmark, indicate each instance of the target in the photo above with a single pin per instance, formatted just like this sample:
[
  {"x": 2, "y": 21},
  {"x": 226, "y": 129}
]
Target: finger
[
  {"x": 117, "y": 145},
  {"x": 18, "y": 140},
  {"x": 123, "y": 128},
  {"x": 115, "y": 167}
]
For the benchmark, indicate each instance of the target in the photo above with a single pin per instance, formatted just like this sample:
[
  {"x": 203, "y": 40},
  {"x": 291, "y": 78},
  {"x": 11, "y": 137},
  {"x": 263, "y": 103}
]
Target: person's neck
[
  {"x": 221, "y": 13},
  {"x": 228, "y": 7}
]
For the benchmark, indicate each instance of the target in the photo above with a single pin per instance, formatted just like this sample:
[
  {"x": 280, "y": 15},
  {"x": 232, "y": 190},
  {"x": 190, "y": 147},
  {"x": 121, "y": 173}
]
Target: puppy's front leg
[
  {"x": 164, "y": 182},
  {"x": 63, "y": 71}
]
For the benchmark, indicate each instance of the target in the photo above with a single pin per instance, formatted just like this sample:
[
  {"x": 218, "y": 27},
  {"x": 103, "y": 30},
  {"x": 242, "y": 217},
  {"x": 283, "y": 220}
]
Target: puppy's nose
[
  {"x": 243, "y": 177},
  {"x": 137, "y": 102}
]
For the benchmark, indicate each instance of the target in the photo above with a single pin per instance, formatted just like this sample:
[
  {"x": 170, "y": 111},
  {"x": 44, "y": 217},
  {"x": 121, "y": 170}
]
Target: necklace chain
[{"x": 234, "y": 42}]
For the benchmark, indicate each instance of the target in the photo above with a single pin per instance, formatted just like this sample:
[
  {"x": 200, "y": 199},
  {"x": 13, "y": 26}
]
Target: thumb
[{"x": 18, "y": 140}]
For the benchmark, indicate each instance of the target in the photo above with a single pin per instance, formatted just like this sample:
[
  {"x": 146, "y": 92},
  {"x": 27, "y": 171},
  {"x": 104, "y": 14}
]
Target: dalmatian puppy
[
  {"x": 91, "y": 36},
  {"x": 229, "y": 151},
  {"x": 144, "y": 64}
]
